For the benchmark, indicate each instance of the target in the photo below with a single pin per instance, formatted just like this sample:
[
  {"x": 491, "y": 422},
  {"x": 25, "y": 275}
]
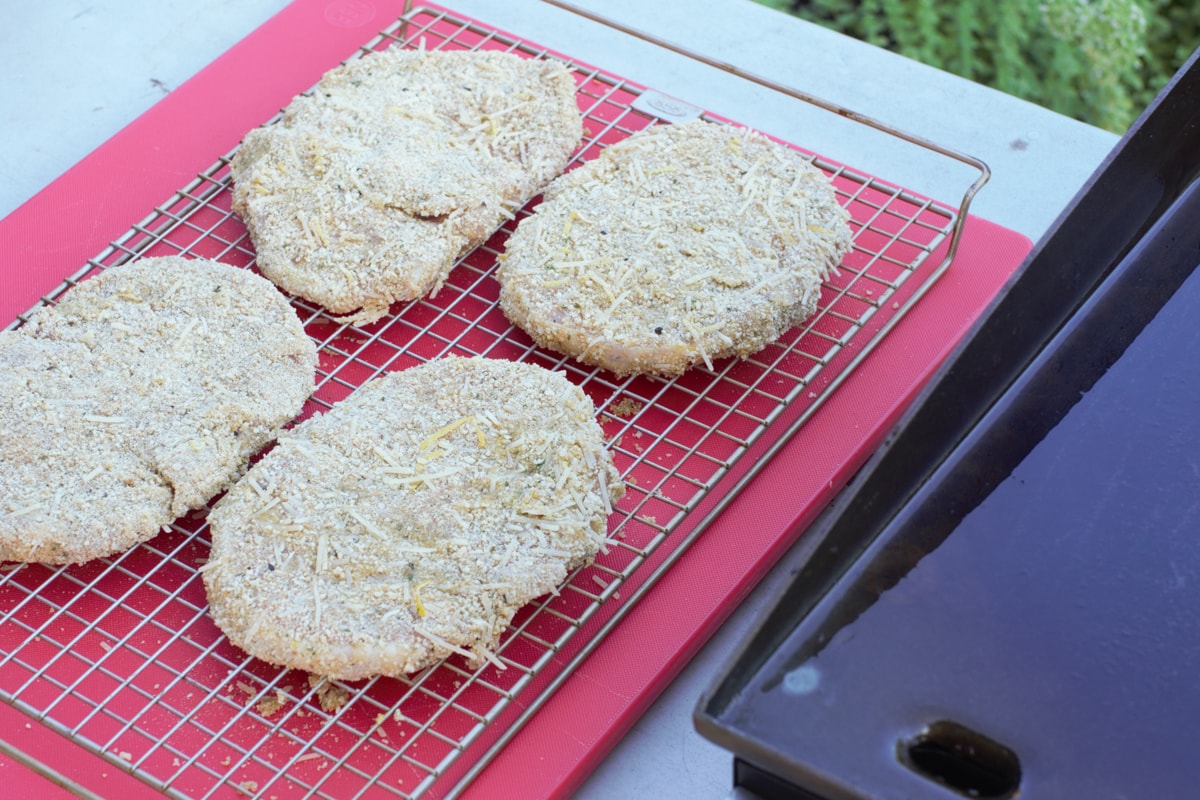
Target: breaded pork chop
[
  {"x": 141, "y": 395},
  {"x": 677, "y": 246},
  {"x": 366, "y": 192},
  {"x": 412, "y": 520}
]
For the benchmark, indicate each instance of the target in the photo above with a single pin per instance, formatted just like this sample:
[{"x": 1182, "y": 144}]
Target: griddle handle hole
[{"x": 964, "y": 760}]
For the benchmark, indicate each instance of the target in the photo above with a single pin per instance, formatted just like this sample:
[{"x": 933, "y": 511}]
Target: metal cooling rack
[{"x": 120, "y": 656}]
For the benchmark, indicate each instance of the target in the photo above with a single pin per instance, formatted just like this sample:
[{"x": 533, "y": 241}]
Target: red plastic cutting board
[{"x": 75, "y": 217}]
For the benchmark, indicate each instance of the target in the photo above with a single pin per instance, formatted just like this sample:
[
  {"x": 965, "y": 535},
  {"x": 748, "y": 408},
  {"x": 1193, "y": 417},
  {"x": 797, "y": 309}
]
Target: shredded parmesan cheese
[
  {"x": 440, "y": 642},
  {"x": 416, "y": 596},
  {"x": 442, "y": 432},
  {"x": 370, "y": 528},
  {"x": 270, "y": 504}
]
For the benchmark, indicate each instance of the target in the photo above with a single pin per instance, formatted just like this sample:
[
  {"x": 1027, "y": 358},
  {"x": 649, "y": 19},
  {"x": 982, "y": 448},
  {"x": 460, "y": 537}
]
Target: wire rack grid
[{"x": 120, "y": 656}]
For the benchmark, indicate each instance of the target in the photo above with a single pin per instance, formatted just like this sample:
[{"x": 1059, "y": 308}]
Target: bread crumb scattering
[
  {"x": 330, "y": 696},
  {"x": 271, "y": 704},
  {"x": 626, "y": 408}
]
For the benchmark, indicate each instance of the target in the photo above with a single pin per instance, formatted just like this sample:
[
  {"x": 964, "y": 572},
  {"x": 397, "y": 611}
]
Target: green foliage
[
  {"x": 1173, "y": 32},
  {"x": 1109, "y": 37},
  {"x": 1100, "y": 61}
]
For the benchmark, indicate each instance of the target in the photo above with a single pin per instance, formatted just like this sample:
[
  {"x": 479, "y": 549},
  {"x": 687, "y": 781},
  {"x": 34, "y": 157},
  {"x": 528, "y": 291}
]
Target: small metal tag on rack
[{"x": 665, "y": 107}]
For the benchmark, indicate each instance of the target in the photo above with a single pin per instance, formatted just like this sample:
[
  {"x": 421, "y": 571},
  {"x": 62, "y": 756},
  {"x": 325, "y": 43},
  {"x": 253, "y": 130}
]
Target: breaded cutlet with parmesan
[
  {"x": 367, "y": 191},
  {"x": 140, "y": 396},
  {"x": 678, "y": 246},
  {"x": 412, "y": 520}
]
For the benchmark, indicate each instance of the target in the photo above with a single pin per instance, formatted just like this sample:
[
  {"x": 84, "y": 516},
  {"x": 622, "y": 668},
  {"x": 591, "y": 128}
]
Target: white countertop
[{"x": 75, "y": 72}]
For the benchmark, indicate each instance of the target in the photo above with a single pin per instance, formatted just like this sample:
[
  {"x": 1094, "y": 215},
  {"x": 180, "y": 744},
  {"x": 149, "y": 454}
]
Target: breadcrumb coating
[
  {"x": 367, "y": 191},
  {"x": 680, "y": 245},
  {"x": 141, "y": 395},
  {"x": 412, "y": 520}
]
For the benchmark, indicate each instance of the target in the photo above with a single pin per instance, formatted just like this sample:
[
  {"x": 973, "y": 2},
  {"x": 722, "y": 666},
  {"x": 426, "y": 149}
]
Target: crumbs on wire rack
[
  {"x": 330, "y": 695},
  {"x": 269, "y": 705},
  {"x": 626, "y": 408}
]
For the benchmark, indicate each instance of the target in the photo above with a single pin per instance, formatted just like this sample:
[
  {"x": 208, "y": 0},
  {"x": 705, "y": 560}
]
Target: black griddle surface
[
  {"x": 1061, "y": 619},
  {"x": 1006, "y": 601}
]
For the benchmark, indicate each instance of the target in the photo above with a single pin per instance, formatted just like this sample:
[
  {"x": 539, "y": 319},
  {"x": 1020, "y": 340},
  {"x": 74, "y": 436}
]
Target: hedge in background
[{"x": 1100, "y": 61}]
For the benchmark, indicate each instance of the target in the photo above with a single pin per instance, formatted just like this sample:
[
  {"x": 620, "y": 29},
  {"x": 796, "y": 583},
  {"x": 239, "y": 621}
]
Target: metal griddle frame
[{"x": 119, "y": 656}]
